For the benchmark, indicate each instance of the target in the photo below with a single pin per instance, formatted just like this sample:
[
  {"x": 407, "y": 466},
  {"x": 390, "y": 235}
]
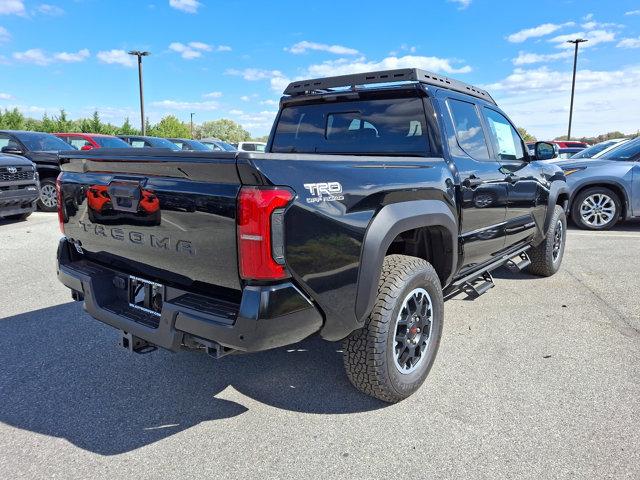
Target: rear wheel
[
  {"x": 390, "y": 357},
  {"x": 596, "y": 208},
  {"x": 48, "y": 201}
]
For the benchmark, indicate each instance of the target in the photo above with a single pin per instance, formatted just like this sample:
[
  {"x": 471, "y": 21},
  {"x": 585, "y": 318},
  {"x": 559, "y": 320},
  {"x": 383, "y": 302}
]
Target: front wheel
[
  {"x": 48, "y": 201},
  {"x": 546, "y": 258},
  {"x": 390, "y": 357},
  {"x": 596, "y": 208}
]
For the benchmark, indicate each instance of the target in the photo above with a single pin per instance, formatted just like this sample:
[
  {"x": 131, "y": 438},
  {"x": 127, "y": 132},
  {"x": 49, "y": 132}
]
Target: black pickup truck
[
  {"x": 19, "y": 187},
  {"x": 379, "y": 196}
]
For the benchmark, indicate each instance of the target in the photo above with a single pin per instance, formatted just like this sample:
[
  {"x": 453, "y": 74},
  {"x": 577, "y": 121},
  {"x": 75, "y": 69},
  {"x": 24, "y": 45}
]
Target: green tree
[
  {"x": 48, "y": 124},
  {"x": 263, "y": 138},
  {"x": 127, "y": 128},
  {"x": 62, "y": 123},
  {"x": 224, "y": 129},
  {"x": 96, "y": 123},
  {"x": 13, "y": 119},
  {"x": 170, "y": 127},
  {"x": 526, "y": 136}
]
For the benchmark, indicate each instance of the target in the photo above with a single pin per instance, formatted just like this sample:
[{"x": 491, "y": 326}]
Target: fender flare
[
  {"x": 557, "y": 188},
  {"x": 47, "y": 170},
  {"x": 390, "y": 221}
]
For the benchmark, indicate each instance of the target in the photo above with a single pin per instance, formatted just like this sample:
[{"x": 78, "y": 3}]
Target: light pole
[
  {"x": 576, "y": 42},
  {"x": 192, "y": 114},
  {"x": 141, "y": 54}
]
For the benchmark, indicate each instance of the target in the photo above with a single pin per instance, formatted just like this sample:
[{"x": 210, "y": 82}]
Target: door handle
[
  {"x": 472, "y": 182},
  {"x": 511, "y": 178}
]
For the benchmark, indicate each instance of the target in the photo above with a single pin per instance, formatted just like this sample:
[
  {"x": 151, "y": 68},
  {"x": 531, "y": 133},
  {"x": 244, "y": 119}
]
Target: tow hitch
[{"x": 136, "y": 344}]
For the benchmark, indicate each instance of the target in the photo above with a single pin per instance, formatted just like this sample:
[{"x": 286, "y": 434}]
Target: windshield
[
  {"x": 392, "y": 126},
  {"x": 219, "y": 145},
  {"x": 591, "y": 151},
  {"x": 111, "y": 142},
  {"x": 43, "y": 142},
  {"x": 195, "y": 146},
  {"x": 627, "y": 151},
  {"x": 163, "y": 143}
]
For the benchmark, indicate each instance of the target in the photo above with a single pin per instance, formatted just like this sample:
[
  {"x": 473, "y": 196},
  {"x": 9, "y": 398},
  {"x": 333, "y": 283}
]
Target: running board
[
  {"x": 479, "y": 286},
  {"x": 519, "y": 262},
  {"x": 481, "y": 281}
]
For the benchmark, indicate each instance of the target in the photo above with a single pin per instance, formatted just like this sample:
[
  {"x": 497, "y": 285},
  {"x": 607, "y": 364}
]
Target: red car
[
  {"x": 89, "y": 141},
  {"x": 570, "y": 144}
]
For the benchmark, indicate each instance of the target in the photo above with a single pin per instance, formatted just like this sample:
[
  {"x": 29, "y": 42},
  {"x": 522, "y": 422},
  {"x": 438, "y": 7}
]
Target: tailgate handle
[{"x": 125, "y": 196}]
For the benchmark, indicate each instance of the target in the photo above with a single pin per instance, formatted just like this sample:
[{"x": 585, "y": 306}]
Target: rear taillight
[
  {"x": 260, "y": 234},
  {"x": 59, "y": 199}
]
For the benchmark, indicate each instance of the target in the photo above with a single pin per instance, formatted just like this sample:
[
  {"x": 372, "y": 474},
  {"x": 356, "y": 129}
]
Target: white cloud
[
  {"x": 361, "y": 65},
  {"x": 188, "y": 106},
  {"x": 462, "y": 4},
  {"x": 595, "y": 37},
  {"x": 629, "y": 43},
  {"x": 271, "y": 103},
  {"x": 526, "y": 58},
  {"x": 538, "y": 100},
  {"x": 633, "y": 12},
  {"x": 191, "y": 50},
  {"x": 5, "y": 96},
  {"x": 213, "y": 95},
  {"x": 51, "y": 10},
  {"x": 254, "y": 74},
  {"x": 188, "y": 6},
  {"x": 34, "y": 55},
  {"x": 73, "y": 57},
  {"x": 235, "y": 112},
  {"x": 5, "y": 36},
  {"x": 223, "y": 48},
  {"x": 118, "y": 57},
  {"x": 12, "y": 7},
  {"x": 245, "y": 98},
  {"x": 539, "y": 31},
  {"x": 304, "y": 46}
]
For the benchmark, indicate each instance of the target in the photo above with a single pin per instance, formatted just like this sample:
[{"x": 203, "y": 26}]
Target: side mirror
[
  {"x": 12, "y": 150},
  {"x": 86, "y": 147},
  {"x": 546, "y": 151}
]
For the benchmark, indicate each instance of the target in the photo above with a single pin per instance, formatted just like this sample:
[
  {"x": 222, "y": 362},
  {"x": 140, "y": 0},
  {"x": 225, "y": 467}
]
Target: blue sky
[{"x": 232, "y": 59}]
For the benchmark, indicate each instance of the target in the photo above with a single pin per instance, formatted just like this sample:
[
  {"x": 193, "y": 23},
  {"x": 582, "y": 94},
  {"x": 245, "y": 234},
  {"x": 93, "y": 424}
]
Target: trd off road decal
[{"x": 324, "y": 192}]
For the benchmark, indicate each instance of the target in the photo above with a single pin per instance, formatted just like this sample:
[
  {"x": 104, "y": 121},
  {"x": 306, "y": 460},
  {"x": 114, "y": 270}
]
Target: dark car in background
[
  {"x": 218, "y": 145},
  {"x": 598, "y": 148},
  {"x": 140, "y": 141},
  {"x": 89, "y": 141},
  {"x": 42, "y": 149},
  {"x": 189, "y": 145},
  {"x": 19, "y": 188},
  {"x": 605, "y": 189}
]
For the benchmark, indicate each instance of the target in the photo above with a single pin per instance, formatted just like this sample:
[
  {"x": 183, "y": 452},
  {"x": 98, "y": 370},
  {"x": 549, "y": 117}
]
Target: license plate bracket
[{"x": 146, "y": 295}]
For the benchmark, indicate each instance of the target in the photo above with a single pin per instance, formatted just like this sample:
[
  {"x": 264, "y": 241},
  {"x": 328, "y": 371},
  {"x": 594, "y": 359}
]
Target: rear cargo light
[
  {"x": 259, "y": 224},
  {"x": 59, "y": 200}
]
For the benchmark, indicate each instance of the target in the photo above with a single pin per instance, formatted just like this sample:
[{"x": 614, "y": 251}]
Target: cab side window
[
  {"x": 468, "y": 127},
  {"x": 506, "y": 140}
]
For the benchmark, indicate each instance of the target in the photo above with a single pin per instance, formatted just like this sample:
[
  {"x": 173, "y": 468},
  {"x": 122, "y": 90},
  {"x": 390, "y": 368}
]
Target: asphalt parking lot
[{"x": 539, "y": 378}]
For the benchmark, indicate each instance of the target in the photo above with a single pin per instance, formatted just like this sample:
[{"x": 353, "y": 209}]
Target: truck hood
[{"x": 13, "y": 160}]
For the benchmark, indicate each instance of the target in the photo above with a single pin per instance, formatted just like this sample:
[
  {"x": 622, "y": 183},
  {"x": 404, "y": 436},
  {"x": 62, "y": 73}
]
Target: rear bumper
[
  {"x": 15, "y": 202},
  {"x": 267, "y": 316}
]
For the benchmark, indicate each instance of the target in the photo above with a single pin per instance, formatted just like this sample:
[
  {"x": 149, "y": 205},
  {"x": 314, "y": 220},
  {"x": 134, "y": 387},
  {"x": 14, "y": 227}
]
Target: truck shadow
[{"x": 61, "y": 374}]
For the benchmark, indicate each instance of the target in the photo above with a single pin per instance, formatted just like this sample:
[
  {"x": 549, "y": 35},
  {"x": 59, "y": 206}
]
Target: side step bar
[{"x": 481, "y": 281}]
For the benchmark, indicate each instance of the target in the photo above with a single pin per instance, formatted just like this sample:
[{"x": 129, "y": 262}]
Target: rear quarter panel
[{"x": 324, "y": 232}]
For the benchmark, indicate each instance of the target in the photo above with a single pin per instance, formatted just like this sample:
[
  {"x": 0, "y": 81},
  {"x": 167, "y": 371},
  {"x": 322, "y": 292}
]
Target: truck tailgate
[{"x": 167, "y": 216}]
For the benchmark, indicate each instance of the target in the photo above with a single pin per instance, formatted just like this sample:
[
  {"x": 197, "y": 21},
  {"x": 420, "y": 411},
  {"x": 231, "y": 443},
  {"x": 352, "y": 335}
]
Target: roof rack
[{"x": 388, "y": 76}]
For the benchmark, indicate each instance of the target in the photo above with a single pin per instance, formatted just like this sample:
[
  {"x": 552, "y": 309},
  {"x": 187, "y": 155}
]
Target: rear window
[
  {"x": 111, "y": 142},
  {"x": 395, "y": 126}
]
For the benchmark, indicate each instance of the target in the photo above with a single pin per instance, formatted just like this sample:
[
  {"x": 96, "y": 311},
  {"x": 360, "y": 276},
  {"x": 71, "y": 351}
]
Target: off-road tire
[
  {"x": 543, "y": 260},
  {"x": 580, "y": 198},
  {"x": 370, "y": 351}
]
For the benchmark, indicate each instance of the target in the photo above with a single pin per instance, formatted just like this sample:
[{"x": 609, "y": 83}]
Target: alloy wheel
[
  {"x": 597, "y": 210},
  {"x": 48, "y": 196},
  {"x": 413, "y": 331}
]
